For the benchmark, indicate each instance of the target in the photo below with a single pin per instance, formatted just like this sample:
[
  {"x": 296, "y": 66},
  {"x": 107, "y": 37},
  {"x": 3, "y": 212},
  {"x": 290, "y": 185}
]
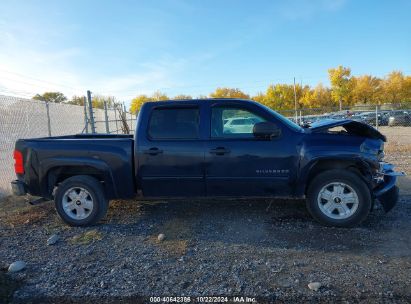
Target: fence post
[
  {"x": 376, "y": 116},
  {"x": 48, "y": 118},
  {"x": 106, "y": 116},
  {"x": 85, "y": 115},
  {"x": 90, "y": 107},
  {"x": 115, "y": 117}
]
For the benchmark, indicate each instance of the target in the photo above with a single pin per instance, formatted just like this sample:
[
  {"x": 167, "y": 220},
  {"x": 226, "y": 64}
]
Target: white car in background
[{"x": 240, "y": 124}]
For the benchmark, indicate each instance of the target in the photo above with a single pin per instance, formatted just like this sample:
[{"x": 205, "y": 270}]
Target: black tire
[
  {"x": 348, "y": 178},
  {"x": 96, "y": 193}
]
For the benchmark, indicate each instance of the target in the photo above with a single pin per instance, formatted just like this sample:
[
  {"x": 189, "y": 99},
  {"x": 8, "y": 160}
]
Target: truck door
[
  {"x": 238, "y": 164},
  {"x": 171, "y": 153}
]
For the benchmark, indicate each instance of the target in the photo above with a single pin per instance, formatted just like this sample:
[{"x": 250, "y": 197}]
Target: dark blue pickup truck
[{"x": 212, "y": 148}]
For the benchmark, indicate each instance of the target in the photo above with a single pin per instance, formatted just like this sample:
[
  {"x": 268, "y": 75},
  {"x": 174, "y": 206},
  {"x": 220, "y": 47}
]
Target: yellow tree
[
  {"x": 318, "y": 97},
  {"x": 260, "y": 97},
  {"x": 229, "y": 93},
  {"x": 137, "y": 102},
  {"x": 407, "y": 89},
  {"x": 158, "y": 96},
  {"x": 366, "y": 89},
  {"x": 280, "y": 97},
  {"x": 182, "y": 97},
  {"x": 394, "y": 87},
  {"x": 341, "y": 84}
]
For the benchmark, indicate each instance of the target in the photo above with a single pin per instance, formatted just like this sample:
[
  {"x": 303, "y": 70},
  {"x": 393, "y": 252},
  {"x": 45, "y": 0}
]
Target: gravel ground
[{"x": 256, "y": 249}]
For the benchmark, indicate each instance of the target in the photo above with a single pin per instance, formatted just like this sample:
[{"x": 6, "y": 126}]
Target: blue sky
[{"x": 125, "y": 48}]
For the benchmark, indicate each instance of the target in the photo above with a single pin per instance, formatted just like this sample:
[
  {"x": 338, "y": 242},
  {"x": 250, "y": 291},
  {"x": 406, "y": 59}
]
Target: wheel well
[
  {"x": 358, "y": 167},
  {"x": 57, "y": 175}
]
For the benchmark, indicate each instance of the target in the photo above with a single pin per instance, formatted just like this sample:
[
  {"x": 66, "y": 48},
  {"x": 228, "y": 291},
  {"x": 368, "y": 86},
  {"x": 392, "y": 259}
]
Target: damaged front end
[
  {"x": 386, "y": 191},
  {"x": 383, "y": 175}
]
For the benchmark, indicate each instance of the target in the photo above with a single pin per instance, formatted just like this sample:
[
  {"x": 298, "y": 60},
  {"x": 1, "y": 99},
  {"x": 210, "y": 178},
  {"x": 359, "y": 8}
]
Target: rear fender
[{"x": 51, "y": 169}]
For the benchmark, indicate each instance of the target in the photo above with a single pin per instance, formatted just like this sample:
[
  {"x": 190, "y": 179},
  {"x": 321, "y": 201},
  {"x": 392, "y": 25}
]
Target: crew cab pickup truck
[{"x": 184, "y": 149}]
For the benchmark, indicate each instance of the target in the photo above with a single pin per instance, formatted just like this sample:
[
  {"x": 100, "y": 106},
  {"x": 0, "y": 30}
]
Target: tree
[
  {"x": 394, "y": 86},
  {"x": 158, "y": 96},
  {"x": 182, "y": 97},
  {"x": 260, "y": 97},
  {"x": 341, "y": 84},
  {"x": 137, "y": 102},
  {"x": 318, "y": 97},
  {"x": 76, "y": 100},
  {"x": 56, "y": 97},
  {"x": 98, "y": 101},
  {"x": 281, "y": 96},
  {"x": 229, "y": 93},
  {"x": 366, "y": 88}
]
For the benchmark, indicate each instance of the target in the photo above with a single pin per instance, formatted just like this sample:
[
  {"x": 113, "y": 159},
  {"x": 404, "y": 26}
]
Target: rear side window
[{"x": 174, "y": 123}]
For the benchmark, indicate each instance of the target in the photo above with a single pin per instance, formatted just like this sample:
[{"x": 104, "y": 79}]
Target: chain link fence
[{"x": 25, "y": 118}]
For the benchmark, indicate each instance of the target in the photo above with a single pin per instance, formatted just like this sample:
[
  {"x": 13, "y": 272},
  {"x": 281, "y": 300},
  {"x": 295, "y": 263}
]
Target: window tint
[
  {"x": 229, "y": 122},
  {"x": 174, "y": 123}
]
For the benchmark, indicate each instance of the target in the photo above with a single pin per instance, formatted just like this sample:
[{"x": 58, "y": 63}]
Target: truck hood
[{"x": 351, "y": 126}]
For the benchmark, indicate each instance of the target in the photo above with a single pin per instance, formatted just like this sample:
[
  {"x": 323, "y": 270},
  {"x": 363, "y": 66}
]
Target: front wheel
[
  {"x": 339, "y": 198},
  {"x": 80, "y": 201}
]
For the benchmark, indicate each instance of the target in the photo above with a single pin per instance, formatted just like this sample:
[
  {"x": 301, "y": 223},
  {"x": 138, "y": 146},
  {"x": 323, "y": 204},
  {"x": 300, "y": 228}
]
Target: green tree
[
  {"x": 229, "y": 93},
  {"x": 341, "y": 84},
  {"x": 56, "y": 97}
]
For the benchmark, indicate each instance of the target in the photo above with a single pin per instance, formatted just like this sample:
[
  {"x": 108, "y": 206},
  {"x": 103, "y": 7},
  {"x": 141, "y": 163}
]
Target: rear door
[{"x": 171, "y": 152}]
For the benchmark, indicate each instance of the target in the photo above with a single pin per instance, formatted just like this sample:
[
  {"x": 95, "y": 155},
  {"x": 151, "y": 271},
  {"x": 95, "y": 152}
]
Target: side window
[
  {"x": 231, "y": 122},
  {"x": 174, "y": 123}
]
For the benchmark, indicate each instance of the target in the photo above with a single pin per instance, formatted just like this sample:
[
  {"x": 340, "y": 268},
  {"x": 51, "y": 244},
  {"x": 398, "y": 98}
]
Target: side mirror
[{"x": 266, "y": 130}]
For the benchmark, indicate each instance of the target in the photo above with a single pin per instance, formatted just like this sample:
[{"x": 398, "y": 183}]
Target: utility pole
[
  {"x": 295, "y": 103},
  {"x": 90, "y": 107}
]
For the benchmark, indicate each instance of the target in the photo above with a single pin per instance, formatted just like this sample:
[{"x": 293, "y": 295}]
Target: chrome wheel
[
  {"x": 338, "y": 200},
  {"x": 77, "y": 203}
]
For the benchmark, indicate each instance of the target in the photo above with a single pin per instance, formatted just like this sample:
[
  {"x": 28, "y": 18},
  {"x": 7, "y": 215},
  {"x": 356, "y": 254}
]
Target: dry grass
[
  {"x": 15, "y": 211},
  {"x": 87, "y": 237},
  {"x": 177, "y": 233}
]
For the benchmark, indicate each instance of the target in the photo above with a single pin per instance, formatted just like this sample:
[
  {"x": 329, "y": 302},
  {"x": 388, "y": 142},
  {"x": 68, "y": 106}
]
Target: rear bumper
[
  {"x": 18, "y": 188},
  {"x": 386, "y": 191}
]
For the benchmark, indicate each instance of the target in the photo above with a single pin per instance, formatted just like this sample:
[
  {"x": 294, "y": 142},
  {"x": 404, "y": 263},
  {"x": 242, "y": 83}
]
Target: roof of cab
[{"x": 198, "y": 100}]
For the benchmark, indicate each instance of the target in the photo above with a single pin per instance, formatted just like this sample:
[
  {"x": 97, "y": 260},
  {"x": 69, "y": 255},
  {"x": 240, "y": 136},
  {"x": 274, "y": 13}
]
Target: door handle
[
  {"x": 219, "y": 151},
  {"x": 153, "y": 151}
]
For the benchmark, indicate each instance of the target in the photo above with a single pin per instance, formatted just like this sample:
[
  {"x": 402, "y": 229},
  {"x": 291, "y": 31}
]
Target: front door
[
  {"x": 238, "y": 164},
  {"x": 171, "y": 154}
]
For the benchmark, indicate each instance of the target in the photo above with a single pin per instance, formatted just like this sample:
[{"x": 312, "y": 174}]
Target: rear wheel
[
  {"x": 80, "y": 201},
  {"x": 339, "y": 198}
]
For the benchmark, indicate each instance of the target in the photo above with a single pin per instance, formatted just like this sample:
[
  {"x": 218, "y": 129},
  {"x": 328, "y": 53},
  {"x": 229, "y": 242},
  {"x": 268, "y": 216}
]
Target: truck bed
[{"x": 107, "y": 157}]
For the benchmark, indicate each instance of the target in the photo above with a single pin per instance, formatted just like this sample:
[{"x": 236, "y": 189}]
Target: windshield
[{"x": 284, "y": 120}]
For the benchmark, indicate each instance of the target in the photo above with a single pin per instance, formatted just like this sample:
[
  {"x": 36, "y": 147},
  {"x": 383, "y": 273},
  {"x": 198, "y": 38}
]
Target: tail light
[{"x": 18, "y": 162}]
